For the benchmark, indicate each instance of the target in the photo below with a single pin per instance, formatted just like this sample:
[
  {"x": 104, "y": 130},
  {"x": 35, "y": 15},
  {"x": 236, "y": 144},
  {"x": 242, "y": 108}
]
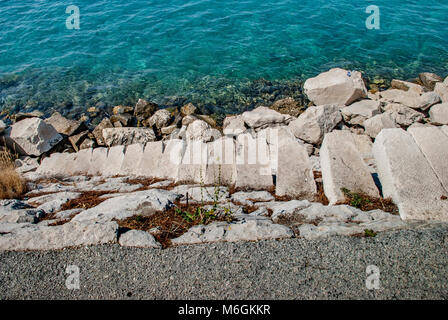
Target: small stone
[
  {"x": 161, "y": 118},
  {"x": 188, "y": 109},
  {"x": 138, "y": 239}
]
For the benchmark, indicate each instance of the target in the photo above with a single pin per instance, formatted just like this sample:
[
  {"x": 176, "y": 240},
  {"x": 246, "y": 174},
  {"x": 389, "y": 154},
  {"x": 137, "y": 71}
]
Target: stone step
[
  {"x": 407, "y": 177},
  {"x": 343, "y": 167}
]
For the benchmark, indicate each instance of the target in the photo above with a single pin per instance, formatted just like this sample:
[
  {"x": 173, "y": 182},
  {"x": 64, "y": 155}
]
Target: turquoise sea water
[{"x": 225, "y": 55}]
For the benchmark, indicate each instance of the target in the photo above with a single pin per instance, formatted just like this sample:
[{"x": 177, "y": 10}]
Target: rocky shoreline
[{"x": 336, "y": 167}]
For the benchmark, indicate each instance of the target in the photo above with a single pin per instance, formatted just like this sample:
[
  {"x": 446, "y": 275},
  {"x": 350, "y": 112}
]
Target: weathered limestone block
[
  {"x": 115, "y": 158},
  {"x": 429, "y": 79},
  {"x": 98, "y": 131},
  {"x": 171, "y": 159},
  {"x": 64, "y": 125},
  {"x": 32, "y": 137},
  {"x": 128, "y": 136},
  {"x": 71, "y": 234},
  {"x": 295, "y": 176},
  {"x": 441, "y": 88},
  {"x": 99, "y": 161},
  {"x": 403, "y": 115},
  {"x": 253, "y": 168},
  {"x": 194, "y": 163},
  {"x": 221, "y": 162},
  {"x": 138, "y": 239},
  {"x": 315, "y": 122},
  {"x": 407, "y": 177},
  {"x": 434, "y": 145},
  {"x": 337, "y": 86},
  {"x": 262, "y": 117},
  {"x": 439, "y": 113},
  {"x": 233, "y": 125},
  {"x": 150, "y": 161},
  {"x": 132, "y": 157},
  {"x": 344, "y": 167},
  {"x": 83, "y": 162},
  {"x": 360, "y": 111},
  {"x": 374, "y": 125}
]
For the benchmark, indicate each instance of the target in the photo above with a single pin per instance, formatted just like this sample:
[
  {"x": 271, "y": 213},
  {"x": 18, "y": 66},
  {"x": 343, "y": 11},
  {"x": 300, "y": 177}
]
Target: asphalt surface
[{"x": 412, "y": 264}]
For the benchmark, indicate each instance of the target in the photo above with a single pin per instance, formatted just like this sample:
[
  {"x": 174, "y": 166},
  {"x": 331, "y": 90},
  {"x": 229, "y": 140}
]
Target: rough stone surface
[
  {"x": 252, "y": 230},
  {"x": 98, "y": 131},
  {"x": 144, "y": 110},
  {"x": 248, "y": 198},
  {"x": 439, "y": 113},
  {"x": 161, "y": 118},
  {"x": 253, "y": 167},
  {"x": 234, "y": 125},
  {"x": 295, "y": 176},
  {"x": 315, "y": 122},
  {"x": 441, "y": 88},
  {"x": 336, "y": 86},
  {"x": 139, "y": 239},
  {"x": 2, "y": 126},
  {"x": 32, "y": 136},
  {"x": 128, "y": 136},
  {"x": 64, "y": 125},
  {"x": 200, "y": 130},
  {"x": 148, "y": 166},
  {"x": 115, "y": 159},
  {"x": 374, "y": 125},
  {"x": 429, "y": 80},
  {"x": 427, "y": 100},
  {"x": 403, "y": 115},
  {"x": 262, "y": 117},
  {"x": 98, "y": 162},
  {"x": 52, "y": 203},
  {"x": 434, "y": 145},
  {"x": 343, "y": 167},
  {"x": 407, "y": 177},
  {"x": 127, "y": 205},
  {"x": 360, "y": 111},
  {"x": 132, "y": 157},
  {"x": 71, "y": 234}
]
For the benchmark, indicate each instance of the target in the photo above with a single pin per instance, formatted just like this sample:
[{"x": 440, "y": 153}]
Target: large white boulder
[
  {"x": 407, "y": 177},
  {"x": 315, "y": 122},
  {"x": 33, "y": 136},
  {"x": 337, "y": 86},
  {"x": 439, "y": 113},
  {"x": 343, "y": 166},
  {"x": 262, "y": 117}
]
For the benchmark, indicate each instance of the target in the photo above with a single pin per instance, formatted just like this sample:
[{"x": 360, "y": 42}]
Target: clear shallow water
[{"x": 210, "y": 52}]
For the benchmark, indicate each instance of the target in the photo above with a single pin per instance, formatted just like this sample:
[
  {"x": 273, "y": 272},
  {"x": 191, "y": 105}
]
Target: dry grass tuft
[
  {"x": 86, "y": 200},
  {"x": 12, "y": 185}
]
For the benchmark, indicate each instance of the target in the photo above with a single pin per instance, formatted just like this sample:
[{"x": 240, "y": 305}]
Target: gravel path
[{"x": 412, "y": 264}]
